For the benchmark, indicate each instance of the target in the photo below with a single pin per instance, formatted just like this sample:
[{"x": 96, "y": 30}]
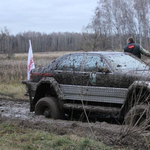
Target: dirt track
[{"x": 18, "y": 112}]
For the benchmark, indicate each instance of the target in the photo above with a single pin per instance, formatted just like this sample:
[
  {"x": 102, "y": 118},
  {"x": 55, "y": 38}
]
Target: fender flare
[
  {"x": 52, "y": 83},
  {"x": 136, "y": 84}
]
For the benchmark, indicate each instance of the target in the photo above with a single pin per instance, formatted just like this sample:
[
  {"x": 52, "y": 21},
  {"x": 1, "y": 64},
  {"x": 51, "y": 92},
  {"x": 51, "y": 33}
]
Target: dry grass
[
  {"x": 13, "y": 71},
  {"x": 13, "y": 91},
  {"x": 43, "y": 54}
]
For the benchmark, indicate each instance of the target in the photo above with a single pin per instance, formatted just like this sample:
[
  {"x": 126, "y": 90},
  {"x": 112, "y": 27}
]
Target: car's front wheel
[
  {"x": 49, "y": 107},
  {"x": 138, "y": 116}
]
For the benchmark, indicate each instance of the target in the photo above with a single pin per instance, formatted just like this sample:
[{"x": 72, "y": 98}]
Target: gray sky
[{"x": 46, "y": 15}]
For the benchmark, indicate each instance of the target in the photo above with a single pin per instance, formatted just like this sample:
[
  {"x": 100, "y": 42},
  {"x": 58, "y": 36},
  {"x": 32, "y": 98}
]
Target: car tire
[
  {"x": 137, "y": 116},
  {"x": 48, "y": 106}
]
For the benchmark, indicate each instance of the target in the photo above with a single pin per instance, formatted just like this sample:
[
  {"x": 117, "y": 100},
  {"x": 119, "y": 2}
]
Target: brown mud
[{"x": 17, "y": 112}]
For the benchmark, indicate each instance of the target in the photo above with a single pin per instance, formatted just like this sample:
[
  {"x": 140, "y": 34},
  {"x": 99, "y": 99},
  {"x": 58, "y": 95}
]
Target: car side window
[
  {"x": 94, "y": 64},
  {"x": 61, "y": 65},
  {"x": 72, "y": 63}
]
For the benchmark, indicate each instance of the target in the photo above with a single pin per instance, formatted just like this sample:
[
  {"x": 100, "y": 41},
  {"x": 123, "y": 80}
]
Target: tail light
[
  {"x": 41, "y": 74},
  {"x": 31, "y": 77}
]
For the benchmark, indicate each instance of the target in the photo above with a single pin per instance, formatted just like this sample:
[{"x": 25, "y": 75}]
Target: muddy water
[
  {"x": 15, "y": 109},
  {"x": 19, "y": 110}
]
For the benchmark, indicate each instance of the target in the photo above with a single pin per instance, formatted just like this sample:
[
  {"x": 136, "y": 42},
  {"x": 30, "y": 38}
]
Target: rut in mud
[{"x": 111, "y": 134}]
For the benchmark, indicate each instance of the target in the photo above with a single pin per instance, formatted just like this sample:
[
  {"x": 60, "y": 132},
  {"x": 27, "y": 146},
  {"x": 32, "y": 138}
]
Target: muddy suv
[{"x": 108, "y": 83}]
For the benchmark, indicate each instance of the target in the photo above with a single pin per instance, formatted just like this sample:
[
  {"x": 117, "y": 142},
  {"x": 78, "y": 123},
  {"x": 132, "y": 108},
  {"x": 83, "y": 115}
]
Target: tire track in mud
[{"x": 18, "y": 112}]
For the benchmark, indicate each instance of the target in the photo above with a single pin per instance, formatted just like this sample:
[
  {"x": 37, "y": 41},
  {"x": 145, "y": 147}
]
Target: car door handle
[{"x": 58, "y": 72}]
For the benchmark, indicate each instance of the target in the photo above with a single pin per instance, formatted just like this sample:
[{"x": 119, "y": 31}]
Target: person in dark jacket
[{"x": 135, "y": 48}]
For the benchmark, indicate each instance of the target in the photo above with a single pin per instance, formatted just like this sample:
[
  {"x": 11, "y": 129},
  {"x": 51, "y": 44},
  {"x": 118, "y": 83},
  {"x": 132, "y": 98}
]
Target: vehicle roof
[
  {"x": 99, "y": 52},
  {"x": 106, "y": 52}
]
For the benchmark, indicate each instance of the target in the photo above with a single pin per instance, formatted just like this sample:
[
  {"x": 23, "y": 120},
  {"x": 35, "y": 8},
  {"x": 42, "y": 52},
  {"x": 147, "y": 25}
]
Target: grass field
[
  {"x": 13, "y": 137},
  {"x": 13, "y": 71}
]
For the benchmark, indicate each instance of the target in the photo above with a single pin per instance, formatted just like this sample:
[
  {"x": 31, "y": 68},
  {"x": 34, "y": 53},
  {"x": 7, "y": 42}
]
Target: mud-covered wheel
[
  {"x": 48, "y": 106},
  {"x": 138, "y": 116}
]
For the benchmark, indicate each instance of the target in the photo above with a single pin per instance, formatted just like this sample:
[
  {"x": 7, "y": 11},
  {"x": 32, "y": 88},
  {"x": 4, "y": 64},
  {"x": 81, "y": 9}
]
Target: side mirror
[{"x": 104, "y": 70}]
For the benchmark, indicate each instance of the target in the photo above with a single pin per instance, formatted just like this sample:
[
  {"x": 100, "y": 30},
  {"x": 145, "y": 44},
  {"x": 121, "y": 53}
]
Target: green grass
[
  {"x": 12, "y": 91},
  {"x": 13, "y": 137}
]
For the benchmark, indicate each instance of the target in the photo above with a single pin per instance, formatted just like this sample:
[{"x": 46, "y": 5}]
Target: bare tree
[
  {"x": 118, "y": 19},
  {"x": 6, "y": 42}
]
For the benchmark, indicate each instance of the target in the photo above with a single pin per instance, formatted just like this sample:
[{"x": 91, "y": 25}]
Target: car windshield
[{"x": 125, "y": 62}]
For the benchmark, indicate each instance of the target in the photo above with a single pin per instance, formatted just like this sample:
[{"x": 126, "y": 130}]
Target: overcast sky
[{"x": 46, "y": 15}]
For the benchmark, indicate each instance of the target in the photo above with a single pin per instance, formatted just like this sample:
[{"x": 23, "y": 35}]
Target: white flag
[{"x": 30, "y": 64}]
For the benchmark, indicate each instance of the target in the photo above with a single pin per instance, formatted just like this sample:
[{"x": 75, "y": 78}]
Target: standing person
[{"x": 135, "y": 48}]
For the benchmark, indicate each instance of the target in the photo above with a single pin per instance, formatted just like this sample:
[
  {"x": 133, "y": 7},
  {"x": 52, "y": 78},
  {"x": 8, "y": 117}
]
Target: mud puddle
[{"x": 111, "y": 134}]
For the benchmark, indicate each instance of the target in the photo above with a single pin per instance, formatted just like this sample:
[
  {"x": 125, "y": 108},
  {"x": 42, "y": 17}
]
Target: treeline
[
  {"x": 41, "y": 42},
  {"x": 112, "y": 23}
]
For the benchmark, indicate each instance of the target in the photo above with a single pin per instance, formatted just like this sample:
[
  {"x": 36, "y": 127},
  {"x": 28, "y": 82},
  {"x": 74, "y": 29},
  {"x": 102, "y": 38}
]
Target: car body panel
[{"x": 94, "y": 93}]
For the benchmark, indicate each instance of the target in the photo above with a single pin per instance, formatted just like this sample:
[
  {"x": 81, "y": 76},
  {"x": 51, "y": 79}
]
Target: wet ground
[{"x": 111, "y": 134}]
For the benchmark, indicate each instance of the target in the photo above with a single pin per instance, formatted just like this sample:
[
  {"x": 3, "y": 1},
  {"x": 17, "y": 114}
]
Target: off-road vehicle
[{"x": 110, "y": 83}]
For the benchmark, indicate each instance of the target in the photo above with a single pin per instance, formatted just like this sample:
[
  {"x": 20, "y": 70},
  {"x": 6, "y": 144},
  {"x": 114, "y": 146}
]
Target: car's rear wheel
[
  {"x": 138, "y": 116},
  {"x": 49, "y": 107}
]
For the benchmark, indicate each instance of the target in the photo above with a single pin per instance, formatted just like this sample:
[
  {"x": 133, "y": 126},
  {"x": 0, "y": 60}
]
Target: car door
[
  {"x": 97, "y": 71},
  {"x": 103, "y": 85},
  {"x": 69, "y": 70}
]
